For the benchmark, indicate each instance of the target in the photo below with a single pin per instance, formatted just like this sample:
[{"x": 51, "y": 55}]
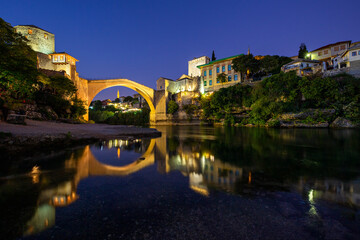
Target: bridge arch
[{"x": 96, "y": 86}]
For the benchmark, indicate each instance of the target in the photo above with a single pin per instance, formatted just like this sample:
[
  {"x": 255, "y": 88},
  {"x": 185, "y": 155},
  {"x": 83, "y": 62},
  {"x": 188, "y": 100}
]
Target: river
[{"x": 193, "y": 182}]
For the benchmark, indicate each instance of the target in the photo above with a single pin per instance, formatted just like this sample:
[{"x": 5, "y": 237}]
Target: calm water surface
[{"x": 191, "y": 183}]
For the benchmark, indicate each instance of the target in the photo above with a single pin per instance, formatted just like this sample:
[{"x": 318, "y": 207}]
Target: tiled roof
[{"x": 332, "y": 44}]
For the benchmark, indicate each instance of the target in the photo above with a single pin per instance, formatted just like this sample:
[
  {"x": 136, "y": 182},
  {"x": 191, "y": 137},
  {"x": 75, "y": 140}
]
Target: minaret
[
  {"x": 118, "y": 94},
  {"x": 248, "y": 51}
]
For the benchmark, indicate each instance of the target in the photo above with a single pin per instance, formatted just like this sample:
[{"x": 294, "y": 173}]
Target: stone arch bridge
[{"x": 88, "y": 89}]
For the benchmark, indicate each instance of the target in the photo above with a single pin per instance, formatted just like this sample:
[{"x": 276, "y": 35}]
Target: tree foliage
[
  {"x": 246, "y": 65},
  {"x": 173, "y": 107},
  {"x": 222, "y": 78},
  {"x": 213, "y": 58},
  {"x": 302, "y": 51},
  {"x": 18, "y": 71}
]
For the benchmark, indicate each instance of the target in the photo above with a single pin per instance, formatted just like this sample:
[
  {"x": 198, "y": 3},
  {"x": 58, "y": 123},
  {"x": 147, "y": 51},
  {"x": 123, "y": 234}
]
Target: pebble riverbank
[{"x": 36, "y": 133}]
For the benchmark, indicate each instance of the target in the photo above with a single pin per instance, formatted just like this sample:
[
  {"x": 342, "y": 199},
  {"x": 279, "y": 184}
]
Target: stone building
[
  {"x": 40, "y": 40},
  {"x": 193, "y": 70},
  {"x": 211, "y": 70},
  {"x": 49, "y": 62}
]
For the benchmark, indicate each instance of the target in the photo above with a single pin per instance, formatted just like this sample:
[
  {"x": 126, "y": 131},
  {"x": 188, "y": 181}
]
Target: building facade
[
  {"x": 40, "y": 40},
  {"x": 211, "y": 70},
  {"x": 302, "y": 67},
  {"x": 328, "y": 52}
]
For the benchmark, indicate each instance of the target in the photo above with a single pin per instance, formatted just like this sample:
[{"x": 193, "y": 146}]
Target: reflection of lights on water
[
  {"x": 249, "y": 177},
  {"x": 118, "y": 153},
  {"x": 35, "y": 173},
  {"x": 102, "y": 147},
  {"x": 312, "y": 210},
  {"x": 311, "y": 196}
]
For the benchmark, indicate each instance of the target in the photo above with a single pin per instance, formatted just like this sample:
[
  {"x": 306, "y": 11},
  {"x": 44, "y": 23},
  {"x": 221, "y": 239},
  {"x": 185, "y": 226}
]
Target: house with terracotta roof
[{"x": 328, "y": 52}]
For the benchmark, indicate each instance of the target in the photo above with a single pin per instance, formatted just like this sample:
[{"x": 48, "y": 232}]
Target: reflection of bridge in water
[{"x": 204, "y": 171}]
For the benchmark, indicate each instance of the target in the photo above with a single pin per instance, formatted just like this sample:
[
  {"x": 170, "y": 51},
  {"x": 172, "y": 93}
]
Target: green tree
[
  {"x": 18, "y": 71},
  {"x": 222, "y": 77},
  {"x": 269, "y": 63},
  {"x": 302, "y": 51},
  {"x": 246, "y": 65},
  {"x": 97, "y": 105},
  {"x": 173, "y": 107},
  {"x": 128, "y": 99},
  {"x": 213, "y": 58}
]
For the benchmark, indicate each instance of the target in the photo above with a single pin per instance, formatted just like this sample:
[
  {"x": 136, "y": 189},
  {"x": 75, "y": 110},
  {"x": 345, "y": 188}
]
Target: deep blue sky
[{"x": 143, "y": 40}]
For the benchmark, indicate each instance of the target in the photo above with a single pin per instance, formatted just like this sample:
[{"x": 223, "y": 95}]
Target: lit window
[
  {"x": 342, "y": 47},
  {"x": 205, "y": 83},
  {"x": 359, "y": 53},
  {"x": 229, "y": 67},
  {"x": 29, "y": 31},
  {"x": 210, "y": 82},
  {"x": 319, "y": 53},
  {"x": 217, "y": 69},
  {"x": 55, "y": 58},
  {"x": 210, "y": 72},
  {"x": 235, "y": 77},
  {"x": 223, "y": 68},
  {"x": 61, "y": 58},
  {"x": 229, "y": 78},
  {"x": 45, "y": 36},
  {"x": 205, "y": 73},
  {"x": 353, "y": 54},
  {"x": 326, "y": 52},
  {"x": 336, "y": 48}
]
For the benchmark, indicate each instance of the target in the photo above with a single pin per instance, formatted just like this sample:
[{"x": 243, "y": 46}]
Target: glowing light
[
  {"x": 118, "y": 153},
  {"x": 249, "y": 177}
]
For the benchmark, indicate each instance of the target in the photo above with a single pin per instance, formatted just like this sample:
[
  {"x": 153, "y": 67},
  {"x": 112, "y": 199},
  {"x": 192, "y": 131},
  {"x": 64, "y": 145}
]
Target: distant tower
[
  {"x": 248, "y": 51},
  {"x": 118, "y": 94}
]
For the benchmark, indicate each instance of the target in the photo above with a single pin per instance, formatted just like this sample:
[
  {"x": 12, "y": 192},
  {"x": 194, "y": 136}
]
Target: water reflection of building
[{"x": 204, "y": 170}]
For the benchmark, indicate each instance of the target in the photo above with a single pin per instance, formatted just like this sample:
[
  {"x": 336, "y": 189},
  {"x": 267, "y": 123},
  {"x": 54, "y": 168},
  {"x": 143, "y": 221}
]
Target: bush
[{"x": 173, "y": 107}]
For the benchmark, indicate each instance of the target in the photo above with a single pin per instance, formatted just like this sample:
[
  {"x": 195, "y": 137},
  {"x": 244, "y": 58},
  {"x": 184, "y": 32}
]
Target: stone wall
[{"x": 39, "y": 40}]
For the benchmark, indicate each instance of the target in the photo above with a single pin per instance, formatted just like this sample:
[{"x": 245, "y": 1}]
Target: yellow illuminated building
[{"x": 211, "y": 70}]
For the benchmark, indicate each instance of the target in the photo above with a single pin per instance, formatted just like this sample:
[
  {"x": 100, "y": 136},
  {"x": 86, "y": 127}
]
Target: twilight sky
[{"x": 143, "y": 40}]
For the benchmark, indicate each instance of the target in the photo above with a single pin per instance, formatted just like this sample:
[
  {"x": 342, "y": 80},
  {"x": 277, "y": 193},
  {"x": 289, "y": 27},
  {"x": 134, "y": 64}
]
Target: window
[
  {"x": 217, "y": 69},
  {"x": 204, "y": 83},
  {"x": 229, "y": 67},
  {"x": 353, "y": 54},
  {"x": 160, "y": 87},
  {"x": 342, "y": 47},
  {"x": 359, "y": 53},
  {"x": 235, "y": 77},
  {"x": 217, "y": 81},
  {"x": 326, "y": 52},
  {"x": 45, "y": 36},
  {"x": 210, "y": 72},
  {"x": 205, "y": 73},
  {"x": 55, "y": 58},
  {"x": 223, "y": 69},
  {"x": 210, "y": 82},
  {"x": 62, "y": 58},
  {"x": 29, "y": 31},
  {"x": 229, "y": 78},
  {"x": 319, "y": 53},
  {"x": 336, "y": 48}
]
